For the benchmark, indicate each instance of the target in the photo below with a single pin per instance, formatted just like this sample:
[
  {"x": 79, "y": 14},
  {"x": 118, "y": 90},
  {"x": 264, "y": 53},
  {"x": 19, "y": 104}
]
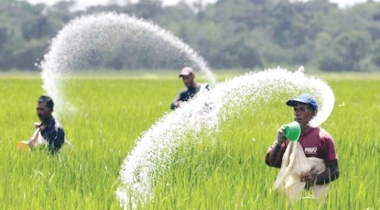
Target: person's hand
[
  {"x": 310, "y": 179},
  {"x": 37, "y": 125},
  {"x": 280, "y": 135},
  {"x": 31, "y": 144},
  {"x": 178, "y": 103}
]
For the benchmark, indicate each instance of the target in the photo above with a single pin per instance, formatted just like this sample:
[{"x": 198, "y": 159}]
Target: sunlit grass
[{"x": 221, "y": 170}]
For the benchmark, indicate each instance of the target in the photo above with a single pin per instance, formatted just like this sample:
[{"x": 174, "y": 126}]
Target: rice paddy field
[{"x": 223, "y": 170}]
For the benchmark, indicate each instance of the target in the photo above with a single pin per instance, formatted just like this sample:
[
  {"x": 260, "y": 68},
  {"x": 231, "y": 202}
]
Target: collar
[
  {"x": 311, "y": 129},
  {"x": 48, "y": 125}
]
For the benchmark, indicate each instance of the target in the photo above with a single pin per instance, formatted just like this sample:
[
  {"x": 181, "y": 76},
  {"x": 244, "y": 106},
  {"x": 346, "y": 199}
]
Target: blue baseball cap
[{"x": 304, "y": 99}]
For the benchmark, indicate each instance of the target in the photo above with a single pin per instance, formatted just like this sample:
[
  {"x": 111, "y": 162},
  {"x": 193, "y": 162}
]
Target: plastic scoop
[
  {"x": 23, "y": 145},
  {"x": 292, "y": 131}
]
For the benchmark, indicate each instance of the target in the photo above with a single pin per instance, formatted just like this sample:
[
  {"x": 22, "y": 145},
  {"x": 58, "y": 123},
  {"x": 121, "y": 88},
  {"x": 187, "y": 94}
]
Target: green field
[{"x": 228, "y": 172}]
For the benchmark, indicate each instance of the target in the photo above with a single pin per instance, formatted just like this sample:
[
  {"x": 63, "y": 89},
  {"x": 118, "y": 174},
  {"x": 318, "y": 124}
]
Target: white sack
[{"x": 294, "y": 165}]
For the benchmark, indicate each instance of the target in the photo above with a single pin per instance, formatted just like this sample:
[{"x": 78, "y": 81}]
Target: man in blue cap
[{"x": 315, "y": 142}]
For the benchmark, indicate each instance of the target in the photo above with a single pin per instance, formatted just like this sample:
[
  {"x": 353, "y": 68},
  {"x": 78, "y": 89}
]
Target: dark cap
[
  {"x": 304, "y": 99},
  {"x": 186, "y": 71}
]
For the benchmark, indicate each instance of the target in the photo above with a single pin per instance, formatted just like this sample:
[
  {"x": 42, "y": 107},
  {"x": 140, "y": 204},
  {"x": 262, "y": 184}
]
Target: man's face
[
  {"x": 188, "y": 80},
  {"x": 43, "y": 112},
  {"x": 303, "y": 114}
]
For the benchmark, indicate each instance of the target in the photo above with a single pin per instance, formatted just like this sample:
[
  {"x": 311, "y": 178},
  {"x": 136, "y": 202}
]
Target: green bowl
[{"x": 292, "y": 131}]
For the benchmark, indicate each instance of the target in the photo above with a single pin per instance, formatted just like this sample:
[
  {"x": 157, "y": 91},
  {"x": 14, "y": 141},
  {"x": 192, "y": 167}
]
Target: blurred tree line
[{"x": 228, "y": 34}]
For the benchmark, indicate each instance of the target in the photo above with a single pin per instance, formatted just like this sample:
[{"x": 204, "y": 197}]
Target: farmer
[
  {"x": 192, "y": 88},
  {"x": 315, "y": 142},
  {"x": 49, "y": 129}
]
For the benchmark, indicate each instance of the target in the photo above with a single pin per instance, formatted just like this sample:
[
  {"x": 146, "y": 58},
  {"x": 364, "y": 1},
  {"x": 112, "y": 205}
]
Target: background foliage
[{"x": 228, "y": 34}]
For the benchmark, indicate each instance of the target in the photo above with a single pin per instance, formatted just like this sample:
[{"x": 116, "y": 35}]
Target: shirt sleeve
[
  {"x": 330, "y": 152},
  {"x": 277, "y": 157},
  {"x": 59, "y": 138},
  {"x": 179, "y": 97}
]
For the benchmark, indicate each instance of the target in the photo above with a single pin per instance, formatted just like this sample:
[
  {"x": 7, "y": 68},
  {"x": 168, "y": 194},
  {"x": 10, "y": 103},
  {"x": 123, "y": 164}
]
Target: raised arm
[{"x": 277, "y": 150}]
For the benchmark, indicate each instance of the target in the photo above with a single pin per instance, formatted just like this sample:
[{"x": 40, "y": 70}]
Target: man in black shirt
[
  {"x": 192, "y": 88},
  {"x": 49, "y": 129}
]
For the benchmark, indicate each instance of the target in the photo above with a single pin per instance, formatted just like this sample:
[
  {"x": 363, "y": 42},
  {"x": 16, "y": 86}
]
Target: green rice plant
[{"x": 222, "y": 169}]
